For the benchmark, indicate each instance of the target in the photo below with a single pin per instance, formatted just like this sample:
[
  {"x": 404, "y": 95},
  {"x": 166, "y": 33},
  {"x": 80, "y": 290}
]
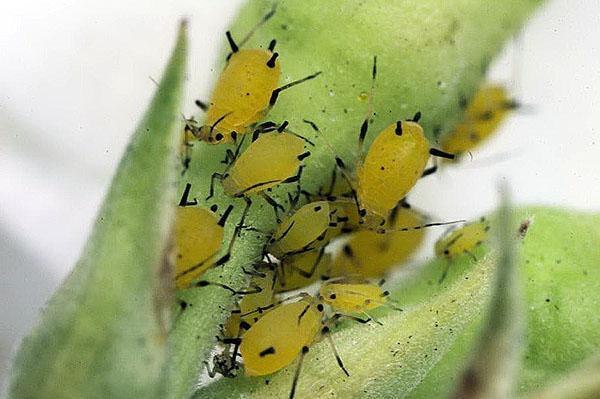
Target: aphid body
[
  {"x": 198, "y": 240},
  {"x": 488, "y": 109},
  {"x": 370, "y": 254},
  {"x": 267, "y": 162},
  {"x": 241, "y": 95},
  {"x": 462, "y": 240}
]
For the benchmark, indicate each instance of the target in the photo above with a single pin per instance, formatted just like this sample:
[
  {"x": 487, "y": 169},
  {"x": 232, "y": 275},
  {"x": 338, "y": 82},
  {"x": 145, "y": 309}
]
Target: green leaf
[
  {"x": 103, "y": 334},
  {"x": 581, "y": 383},
  {"x": 558, "y": 259},
  {"x": 430, "y": 54}
]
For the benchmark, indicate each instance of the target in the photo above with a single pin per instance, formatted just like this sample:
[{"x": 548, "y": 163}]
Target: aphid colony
[{"x": 364, "y": 206}]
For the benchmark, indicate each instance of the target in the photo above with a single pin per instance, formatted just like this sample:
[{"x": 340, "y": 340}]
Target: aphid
[
  {"x": 198, "y": 240},
  {"x": 289, "y": 329},
  {"x": 370, "y": 254},
  {"x": 271, "y": 159},
  {"x": 245, "y": 91},
  {"x": 351, "y": 295},
  {"x": 305, "y": 230},
  {"x": 462, "y": 240},
  {"x": 395, "y": 161},
  {"x": 301, "y": 270},
  {"x": 483, "y": 115}
]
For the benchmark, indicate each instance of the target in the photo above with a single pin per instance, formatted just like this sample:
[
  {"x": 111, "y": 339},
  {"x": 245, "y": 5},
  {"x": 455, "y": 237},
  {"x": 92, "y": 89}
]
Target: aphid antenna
[
  {"x": 365, "y": 125},
  {"x": 261, "y": 309},
  {"x": 258, "y": 25},
  {"x": 252, "y": 289},
  {"x": 339, "y": 162},
  {"x": 418, "y": 227}
]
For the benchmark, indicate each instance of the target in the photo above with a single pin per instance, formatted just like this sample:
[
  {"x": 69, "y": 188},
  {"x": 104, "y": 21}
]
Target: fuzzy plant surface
[{"x": 106, "y": 332}]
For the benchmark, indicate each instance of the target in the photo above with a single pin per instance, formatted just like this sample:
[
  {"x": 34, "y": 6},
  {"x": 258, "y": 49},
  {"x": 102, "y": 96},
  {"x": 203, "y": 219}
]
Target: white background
[{"x": 74, "y": 80}]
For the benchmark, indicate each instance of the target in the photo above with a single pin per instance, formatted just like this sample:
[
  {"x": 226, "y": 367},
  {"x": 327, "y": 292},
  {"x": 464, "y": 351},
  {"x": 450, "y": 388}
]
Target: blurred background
[{"x": 75, "y": 78}]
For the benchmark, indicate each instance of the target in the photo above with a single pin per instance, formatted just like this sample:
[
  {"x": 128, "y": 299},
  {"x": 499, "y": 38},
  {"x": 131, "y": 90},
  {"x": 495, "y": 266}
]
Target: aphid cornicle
[
  {"x": 245, "y": 92},
  {"x": 461, "y": 240},
  {"x": 396, "y": 159},
  {"x": 370, "y": 254},
  {"x": 487, "y": 110},
  {"x": 198, "y": 240}
]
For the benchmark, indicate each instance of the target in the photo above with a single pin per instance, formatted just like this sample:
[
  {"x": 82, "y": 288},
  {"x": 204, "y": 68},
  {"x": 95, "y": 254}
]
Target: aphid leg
[
  {"x": 231, "y": 156},
  {"x": 297, "y": 373},
  {"x": 232, "y": 44},
  {"x": 310, "y": 273},
  {"x": 471, "y": 254},
  {"x": 182, "y": 305},
  {"x": 372, "y": 318},
  {"x": 329, "y": 191},
  {"x": 338, "y": 316},
  {"x": 275, "y": 93},
  {"x": 284, "y": 128},
  {"x": 431, "y": 170},
  {"x": 276, "y": 206},
  {"x": 365, "y": 125},
  {"x": 211, "y": 190},
  {"x": 236, "y": 233},
  {"x": 445, "y": 273},
  {"x": 211, "y": 373},
  {"x": 327, "y": 333},
  {"x": 202, "y": 105},
  {"x": 296, "y": 177},
  {"x": 439, "y": 153},
  {"x": 184, "y": 198}
]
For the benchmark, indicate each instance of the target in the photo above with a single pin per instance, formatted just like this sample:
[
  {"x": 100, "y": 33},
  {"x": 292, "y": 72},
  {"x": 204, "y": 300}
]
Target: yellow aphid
[
  {"x": 488, "y": 109},
  {"x": 261, "y": 281},
  {"x": 289, "y": 329},
  {"x": 349, "y": 297},
  {"x": 459, "y": 241},
  {"x": 198, "y": 241},
  {"x": 272, "y": 159},
  {"x": 298, "y": 271},
  {"x": 391, "y": 168},
  {"x": 303, "y": 231},
  {"x": 395, "y": 161},
  {"x": 277, "y": 338},
  {"x": 462, "y": 240},
  {"x": 370, "y": 254},
  {"x": 245, "y": 91}
]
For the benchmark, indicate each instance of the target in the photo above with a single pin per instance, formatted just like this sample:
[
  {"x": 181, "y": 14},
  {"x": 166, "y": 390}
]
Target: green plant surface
[
  {"x": 430, "y": 54},
  {"x": 383, "y": 362},
  {"x": 104, "y": 332}
]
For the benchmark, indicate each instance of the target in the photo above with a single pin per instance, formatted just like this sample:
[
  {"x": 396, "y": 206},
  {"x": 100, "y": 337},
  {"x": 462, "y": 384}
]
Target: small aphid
[
  {"x": 303, "y": 231},
  {"x": 272, "y": 159},
  {"x": 348, "y": 296},
  {"x": 301, "y": 270},
  {"x": 460, "y": 241},
  {"x": 245, "y": 91},
  {"x": 370, "y": 254},
  {"x": 198, "y": 240},
  {"x": 487, "y": 110}
]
